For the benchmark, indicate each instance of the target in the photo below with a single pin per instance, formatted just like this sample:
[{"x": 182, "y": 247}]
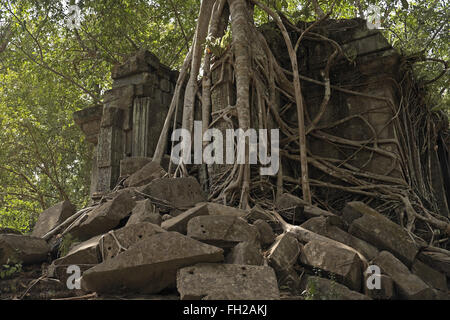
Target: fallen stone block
[
  {"x": 327, "y": 256},
  {"x": 221, "y": 231},
  {"x": 150, "y": 265},
  {"x": 227, "y": 282},
  {"x": 437, "y": 260},
  {"x": 52, "y": 217},
  {"x": 22, "y": 249},
  {"x": 324, "y": 289},
  {"x": 289, "y": 280},
  {"x": 145, "y": 211},
  {"x": 103, "y": 218},
  {"x": 409, "y": 286},
  {"x": 441, "y": 295},
  {"x": 291, "y": 207},
  {"x": 85, "y": 253},
  {"x": 114, "y": 242},
  {"x": 322, "y": 226},
  {"x": 131, "y": 165},
  {"x": 284, "y": 252},
  {"x": 266, "y": 235},
  {"x": 143, "y": 61},
  {"x": 219, "y": 209},
  {"x": 433, "y": 278},
  {"x": 182, "y": 193},
  {"x": 145, "y": 175},
  {"x": 245, "y": 253},
  {"x": 371, "y": 226},
  {"x": 386, "y": 290},
  {"x": 180, "y": 222}
]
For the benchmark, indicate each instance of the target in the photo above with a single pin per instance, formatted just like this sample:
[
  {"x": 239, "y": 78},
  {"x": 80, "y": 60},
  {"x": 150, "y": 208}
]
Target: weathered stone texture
[
  {"x": 103, "y": 218},
  {"x": 409, "y": 286},
  {"x": 343, "y": 263},
  {"x": 221, "y": 231},
  {"x": 52, "y": 217},
  {"x": 22, "y": 249},
  {"x": 227, "y": 282},
  {"x": 150, "y": 265},
  {"x": 371, "y": 226},
  {"x": 145, "y": 211}
]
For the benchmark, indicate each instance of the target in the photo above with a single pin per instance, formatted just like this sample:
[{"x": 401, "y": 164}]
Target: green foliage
[
  {"x": 48, "y": 71},
  {"x": 219, "y": 46},
  {"x": 66, "y": 244},
  {"x": 8, "y": 271},
  {"x": 313, "y": 293}
]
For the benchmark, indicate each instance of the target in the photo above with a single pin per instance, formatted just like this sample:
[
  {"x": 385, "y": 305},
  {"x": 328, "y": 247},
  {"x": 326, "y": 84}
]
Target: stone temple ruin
[
  {"x": 150, "y": 235},
  {"x": 126, "y": 128}
]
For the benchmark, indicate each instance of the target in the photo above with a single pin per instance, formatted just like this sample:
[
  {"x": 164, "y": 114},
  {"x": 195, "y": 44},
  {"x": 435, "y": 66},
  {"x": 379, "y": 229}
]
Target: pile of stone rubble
[{"x": 160, "y": 236}]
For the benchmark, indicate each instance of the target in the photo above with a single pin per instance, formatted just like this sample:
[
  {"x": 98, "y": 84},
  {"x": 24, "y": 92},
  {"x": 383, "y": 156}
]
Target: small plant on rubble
[
  {"x": 8, "y": 270},
  {"x": 67, "y": 242},
  {"x": 312, "y": 292},
  {"x": 332, "y": 295}
]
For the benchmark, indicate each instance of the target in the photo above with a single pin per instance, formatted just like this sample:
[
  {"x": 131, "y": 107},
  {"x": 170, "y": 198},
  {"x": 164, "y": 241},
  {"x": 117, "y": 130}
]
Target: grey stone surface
[
  {"x": 180, "y": 222},
  {"x": 283, "y": 254},
  {"x": 143, "y": 61},
  {"x": 150, "y": 265},
  {"x": 322, "y": 226},
  {"x": 433, "y": 278},
  {"x": 85, "y": 253},
  {"x": 324, "y": 289},
  {"x": 409, "y": 286},
  {"x": 343, "y": 263},
  {"x": 246, "y": 253},
  {"x": 22, "y": 249},
  {"x": 182, "y": 193},
  {"x": 386, "y": 291},
  {"x": 52, "y": 217},
  {"x": 291, "y": 207},
  {"x": 256, "y": 213},
  {"x": 219, "y": 209},
  {"x": 103, "y": 218},
  {"x": 89, "y": 120},
  {"x": 227, "y": 282},
  {"x": 437, "y": 260},
  {"x": 145, "y": 175},
  {"x": 115, "y": 242},
  {"x": 379, "y": 231},
  {"x": 129, "y": 166},
  {"x": 145, "y": 211},
  {"x": 266, "y": 235},
  {"x": 221, "y": 231}
]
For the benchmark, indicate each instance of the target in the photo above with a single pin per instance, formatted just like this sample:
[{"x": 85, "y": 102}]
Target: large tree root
[{"x": 265, "y": 93}]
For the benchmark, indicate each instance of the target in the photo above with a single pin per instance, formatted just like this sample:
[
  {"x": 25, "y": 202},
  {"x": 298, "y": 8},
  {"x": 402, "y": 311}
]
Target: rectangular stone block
[
  {"x": 227, "y": 282},
  {"x": 143, "y": 61},
  {"x": 121, "y": 97},
  {"x": 110, "y": 147}
]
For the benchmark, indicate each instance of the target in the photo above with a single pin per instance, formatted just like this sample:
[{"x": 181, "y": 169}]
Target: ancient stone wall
[
  {"x": 364, "y": 109},
  {"x": 129, "y": 122}
]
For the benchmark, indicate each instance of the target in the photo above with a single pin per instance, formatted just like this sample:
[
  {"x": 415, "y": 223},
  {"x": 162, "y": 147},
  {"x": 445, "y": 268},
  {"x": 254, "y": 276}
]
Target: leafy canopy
[{"x": 48, "y": 71}]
